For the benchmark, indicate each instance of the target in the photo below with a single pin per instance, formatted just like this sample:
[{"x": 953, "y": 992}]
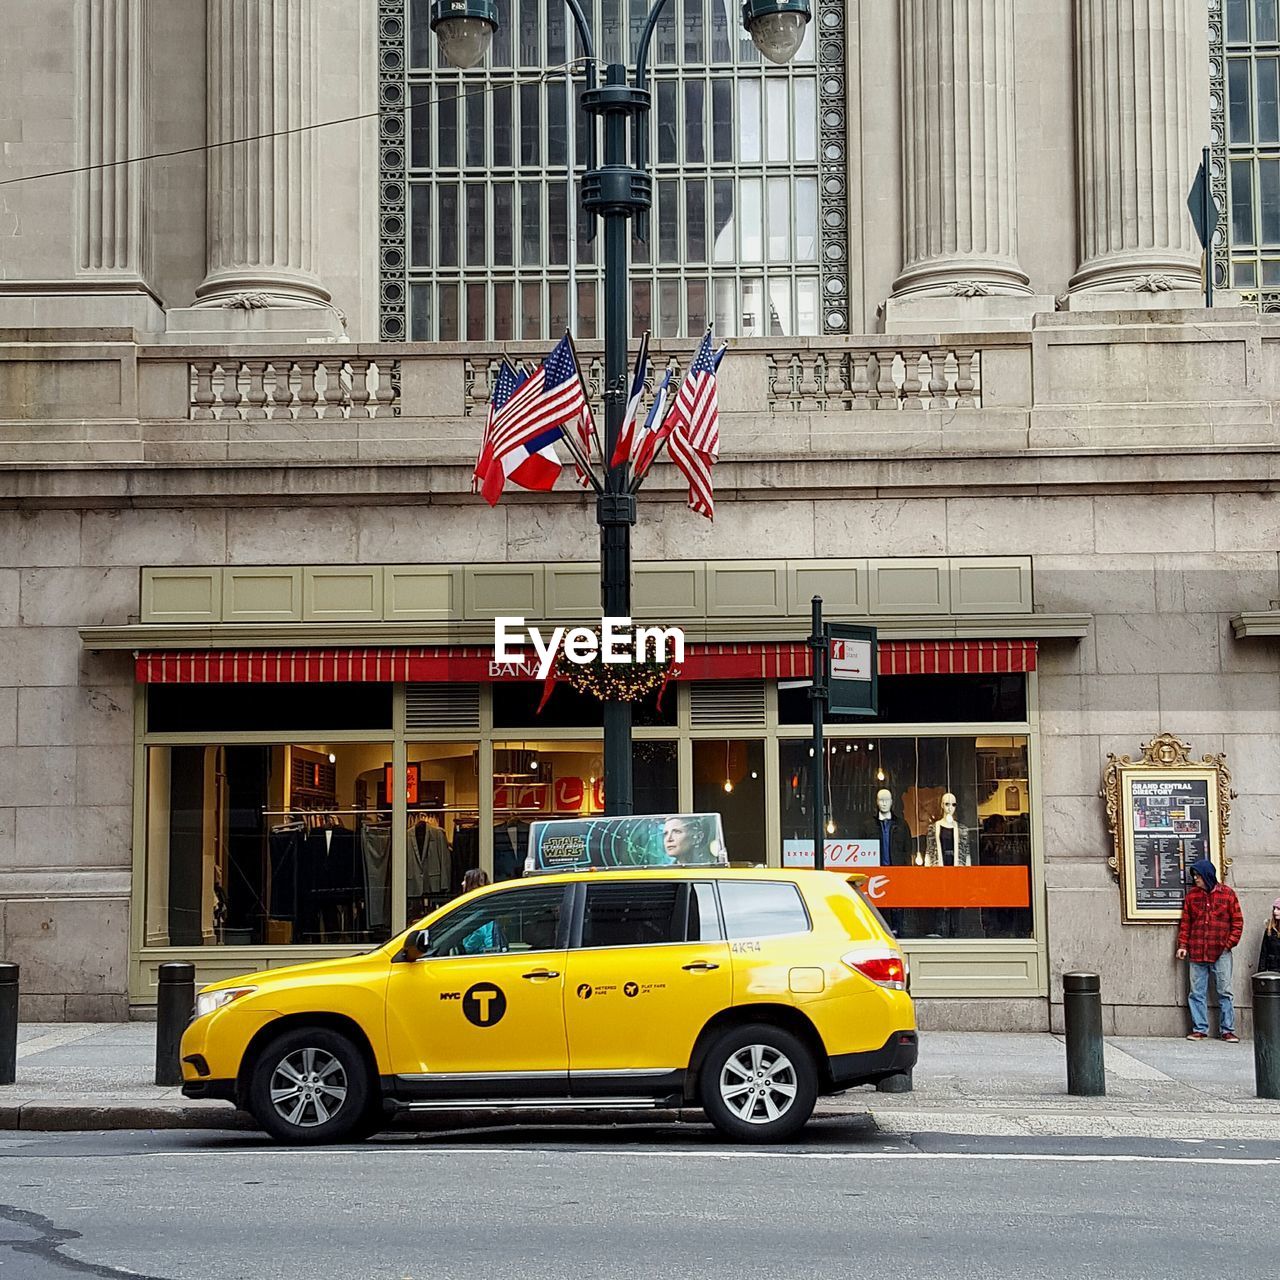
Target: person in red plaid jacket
[{"x": 1210, "y": 927}]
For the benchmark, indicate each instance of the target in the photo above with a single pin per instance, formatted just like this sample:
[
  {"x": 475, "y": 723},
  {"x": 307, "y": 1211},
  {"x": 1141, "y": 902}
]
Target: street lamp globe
[
  {"x": 776, "y": 27},
  {"x": 464, "y": 29}
]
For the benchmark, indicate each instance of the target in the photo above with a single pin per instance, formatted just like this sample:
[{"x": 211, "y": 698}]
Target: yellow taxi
[{"x": 747, "y": 993}]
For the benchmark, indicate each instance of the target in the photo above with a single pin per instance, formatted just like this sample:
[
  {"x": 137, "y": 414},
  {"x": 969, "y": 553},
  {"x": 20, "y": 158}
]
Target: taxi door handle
[
  {"x": 700, "y": 966},
  {"x": 540, "y": 975}
]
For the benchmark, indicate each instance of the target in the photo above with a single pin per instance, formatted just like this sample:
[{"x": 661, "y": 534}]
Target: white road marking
[
  {"x": 401, "y": 1149},
  {"x": 56, "y": 1038}
]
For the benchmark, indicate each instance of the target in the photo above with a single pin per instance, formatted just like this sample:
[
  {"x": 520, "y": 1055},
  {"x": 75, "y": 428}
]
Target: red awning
[{"x": 475, "y": 664}]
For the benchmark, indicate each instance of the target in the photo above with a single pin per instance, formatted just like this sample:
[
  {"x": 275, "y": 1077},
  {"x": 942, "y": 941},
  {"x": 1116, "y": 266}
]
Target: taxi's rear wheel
[
  {"x": 758, "y": 1084},
  {"x": 311, "y": 1085}
]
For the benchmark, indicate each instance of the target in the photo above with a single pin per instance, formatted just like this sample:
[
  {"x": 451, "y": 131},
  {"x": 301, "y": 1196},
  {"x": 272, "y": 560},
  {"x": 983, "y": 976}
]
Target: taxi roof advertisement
[{"x": 648, "y": 840}]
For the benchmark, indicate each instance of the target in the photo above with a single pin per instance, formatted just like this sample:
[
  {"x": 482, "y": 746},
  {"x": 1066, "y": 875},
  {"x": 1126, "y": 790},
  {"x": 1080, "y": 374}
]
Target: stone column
[
  {"x": 959, "y": 185},
  {"x": 261, "y": 195},
  {"x": 111, "y": 126},
  {"x": 1135, "y": 150}
]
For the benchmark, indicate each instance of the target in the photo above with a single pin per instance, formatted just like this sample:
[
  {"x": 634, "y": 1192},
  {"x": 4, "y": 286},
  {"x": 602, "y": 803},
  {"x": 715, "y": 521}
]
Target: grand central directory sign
[
  {"x": 1166, "y": 812},
  {"x": 637, "y": 840}
]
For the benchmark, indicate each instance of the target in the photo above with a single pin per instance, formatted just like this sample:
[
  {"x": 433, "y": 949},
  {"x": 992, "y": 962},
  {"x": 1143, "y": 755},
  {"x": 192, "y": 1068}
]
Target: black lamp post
[{"x": 615, "y": 191}]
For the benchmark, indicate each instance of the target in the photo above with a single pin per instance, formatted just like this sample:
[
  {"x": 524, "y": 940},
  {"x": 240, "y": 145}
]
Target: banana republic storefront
[{"x": 321, "y": 753}]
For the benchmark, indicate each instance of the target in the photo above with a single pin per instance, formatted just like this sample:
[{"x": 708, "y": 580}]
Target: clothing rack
[{"x": 323, "y": 810}]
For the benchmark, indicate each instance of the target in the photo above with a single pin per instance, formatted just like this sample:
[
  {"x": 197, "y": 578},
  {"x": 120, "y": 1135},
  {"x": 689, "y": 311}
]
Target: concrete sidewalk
[{"x": 91, "y": 1076}]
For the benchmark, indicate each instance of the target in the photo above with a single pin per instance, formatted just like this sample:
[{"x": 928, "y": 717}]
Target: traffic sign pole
[{"x": 819, "y": 645}]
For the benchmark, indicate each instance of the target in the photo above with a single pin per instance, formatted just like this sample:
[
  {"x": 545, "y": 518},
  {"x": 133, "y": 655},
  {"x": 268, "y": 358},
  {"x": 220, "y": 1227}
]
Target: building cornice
[{"x": 1023, "y": 626}]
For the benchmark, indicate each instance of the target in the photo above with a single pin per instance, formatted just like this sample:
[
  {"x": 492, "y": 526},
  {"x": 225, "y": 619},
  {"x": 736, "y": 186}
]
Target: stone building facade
[{"x": 1014, "y": 421}]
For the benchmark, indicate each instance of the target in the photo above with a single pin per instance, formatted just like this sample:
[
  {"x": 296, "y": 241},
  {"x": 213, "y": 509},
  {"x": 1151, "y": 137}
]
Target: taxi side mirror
[{"x": 416, "y": 945}]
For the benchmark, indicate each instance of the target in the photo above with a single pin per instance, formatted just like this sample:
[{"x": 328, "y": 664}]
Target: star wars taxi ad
[{"x": 649, "y": 840}]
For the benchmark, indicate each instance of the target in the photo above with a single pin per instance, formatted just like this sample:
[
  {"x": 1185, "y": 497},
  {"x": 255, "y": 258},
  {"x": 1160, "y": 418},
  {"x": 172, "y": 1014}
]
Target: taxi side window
[
  {"x": 704, "y": 917},
  {"x": 633, "y": 913},
  {"x": 762, "y": 908},
  {"x": 526, "y": 919}
]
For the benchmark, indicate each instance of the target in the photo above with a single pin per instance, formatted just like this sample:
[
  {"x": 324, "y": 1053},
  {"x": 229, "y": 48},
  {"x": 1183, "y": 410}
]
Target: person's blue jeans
[{"x": 1197, "y": 996}]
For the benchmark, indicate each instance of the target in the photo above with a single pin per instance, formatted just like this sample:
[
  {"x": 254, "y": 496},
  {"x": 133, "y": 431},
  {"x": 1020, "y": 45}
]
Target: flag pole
[
  {"x": 638, "y": 480},
  {"x": 575, "y": 447}
]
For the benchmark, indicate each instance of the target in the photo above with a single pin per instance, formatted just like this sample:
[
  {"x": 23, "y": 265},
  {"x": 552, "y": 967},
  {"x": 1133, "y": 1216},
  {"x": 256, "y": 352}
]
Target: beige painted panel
[
  {"x": 332, "y": 594},
  {"x": 504, "y": 590},
  {"x": 262, "y": 595},
  {"x": 842, "y": 584},
  {"x": 746, "y": 588},
  {"x": 910, "y": 586},
  {"x": 998, "y": 585},
  {"x": 181, "y": 595},
  {"x": 992, "y": 969},
  {"x": 421, "y": 593},
  {"x": 670, "y": 591},
  {"x": 213, "y": 964},
  {"x": 573, "y": 591}
]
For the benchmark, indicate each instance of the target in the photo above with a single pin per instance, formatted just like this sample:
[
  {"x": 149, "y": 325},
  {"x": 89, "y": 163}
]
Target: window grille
[{"x": 483, "y": 234}]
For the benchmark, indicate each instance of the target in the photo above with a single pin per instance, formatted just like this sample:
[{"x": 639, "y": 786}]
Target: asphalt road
[{"x": 639, "y": 1203}]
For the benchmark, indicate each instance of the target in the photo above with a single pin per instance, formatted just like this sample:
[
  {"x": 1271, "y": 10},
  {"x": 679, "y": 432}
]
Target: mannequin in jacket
[
  {"x": 892, "y": 832},
  {"x": 948, "y": 842}
]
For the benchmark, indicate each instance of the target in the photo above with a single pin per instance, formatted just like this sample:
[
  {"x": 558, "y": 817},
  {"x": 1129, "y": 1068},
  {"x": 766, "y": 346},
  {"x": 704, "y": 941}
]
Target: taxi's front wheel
[
  {"x": 758, "y": 1084},
  {"x": 311, "y": 1085}
]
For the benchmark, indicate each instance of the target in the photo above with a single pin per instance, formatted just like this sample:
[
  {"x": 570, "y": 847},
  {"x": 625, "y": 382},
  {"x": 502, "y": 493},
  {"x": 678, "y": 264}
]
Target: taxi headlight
[{"x": 208, "y": 1001}]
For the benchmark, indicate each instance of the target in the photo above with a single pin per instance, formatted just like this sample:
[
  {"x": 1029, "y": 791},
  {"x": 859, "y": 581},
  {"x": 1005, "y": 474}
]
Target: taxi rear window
[{"x": 762, "y": 908}]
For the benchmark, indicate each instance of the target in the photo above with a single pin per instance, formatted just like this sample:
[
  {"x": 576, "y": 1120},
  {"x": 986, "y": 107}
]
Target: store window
[
  {"x": 537, "y": 779},
  {"x": 442, "y": 804},
  {"x": 948, "y": 699},
  {"x": 520, "y": 703},
  {"x": 728, "y": 779},
  {"x": 924, "y": 804},
  {"x": 267, "y": 844}
]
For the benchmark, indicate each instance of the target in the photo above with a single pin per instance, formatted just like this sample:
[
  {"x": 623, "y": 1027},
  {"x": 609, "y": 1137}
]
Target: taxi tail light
[{"x": 885, "y": 970}]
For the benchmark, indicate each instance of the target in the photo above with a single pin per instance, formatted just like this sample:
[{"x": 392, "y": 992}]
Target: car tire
[
  {"x": 311, "y": 1085},
  {"x": 758, "y": 1084}
]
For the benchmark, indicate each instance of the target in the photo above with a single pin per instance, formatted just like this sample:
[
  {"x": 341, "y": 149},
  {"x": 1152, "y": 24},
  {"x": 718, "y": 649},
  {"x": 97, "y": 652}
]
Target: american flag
[
  {"x": 504, "y": 386},
  {"x": 694, "y": 442},
  {"x": 696, "y": 412},
  {"x": 526, "y": 428}
]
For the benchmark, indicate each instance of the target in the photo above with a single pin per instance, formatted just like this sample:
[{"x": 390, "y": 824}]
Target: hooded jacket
[
  {"x": 1211, "y": 921},
  {"x": 1269, "y": 955}
]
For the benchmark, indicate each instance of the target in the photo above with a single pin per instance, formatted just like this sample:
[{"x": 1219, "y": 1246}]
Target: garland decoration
[{"x": 615, "y": 681}]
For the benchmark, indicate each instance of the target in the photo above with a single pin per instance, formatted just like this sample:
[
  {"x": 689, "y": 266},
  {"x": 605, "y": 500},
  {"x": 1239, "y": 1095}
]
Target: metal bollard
[
  {"x": 1082, "y": 1010},
  {"x": 175, "y": 1001},
  {"x": 8, "y": 1023},
  {"x": 1266, "y": 1034}
]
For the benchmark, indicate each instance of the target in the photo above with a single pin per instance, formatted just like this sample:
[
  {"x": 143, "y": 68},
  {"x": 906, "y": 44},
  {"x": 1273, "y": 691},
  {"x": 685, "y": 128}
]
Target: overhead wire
[{"x": 540, "y": 77}]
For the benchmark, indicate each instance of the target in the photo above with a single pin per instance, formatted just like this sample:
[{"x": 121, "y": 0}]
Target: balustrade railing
[
  {"x": 827, "y": 380},
  {"x": 297, "y": 389},
  {"x": 804, "y": 379}
]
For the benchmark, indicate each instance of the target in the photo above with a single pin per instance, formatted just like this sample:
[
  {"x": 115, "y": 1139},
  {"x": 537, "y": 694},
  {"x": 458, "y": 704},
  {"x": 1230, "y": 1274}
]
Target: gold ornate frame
[{"x": 1164, "y": 754}]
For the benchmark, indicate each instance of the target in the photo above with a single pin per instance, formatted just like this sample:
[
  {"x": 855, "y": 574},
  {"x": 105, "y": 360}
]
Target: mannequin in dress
[{"x": 948, "y": 843}]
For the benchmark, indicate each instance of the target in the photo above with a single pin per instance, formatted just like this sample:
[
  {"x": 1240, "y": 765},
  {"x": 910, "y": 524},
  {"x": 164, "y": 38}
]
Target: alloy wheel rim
[
  {"x": 758, "y": 1084},
  {"x": 308, "y": 1087}
]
